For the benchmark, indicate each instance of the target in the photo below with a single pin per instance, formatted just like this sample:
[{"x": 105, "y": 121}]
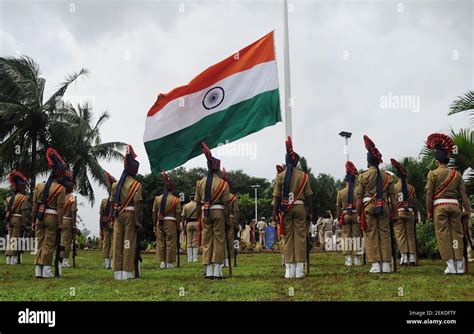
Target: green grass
[{"x": 259, "y": 277}]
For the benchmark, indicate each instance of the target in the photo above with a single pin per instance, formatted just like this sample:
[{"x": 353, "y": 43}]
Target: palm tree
[
  {"x": 83, "y": 148},
  {"x": 25, "y": 117},
  {"x": 463, "y": 103}
]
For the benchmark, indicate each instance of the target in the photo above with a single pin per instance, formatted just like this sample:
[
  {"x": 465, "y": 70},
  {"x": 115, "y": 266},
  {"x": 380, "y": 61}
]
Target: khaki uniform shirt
[
  {"x": 127, "y": 184},
  {"x": 367, "y": 184},
  {"x": 72, "y": 207},
  {"x": 19, "y": 208},
  {"x": 190, "y": 211},
  {"x": 437, "y": 177},
  {"x": 201, "y": 189},
  {"x": 412, "y": 200},
  {"x": 175, "y": 212},
  {"x": 296, "y": 180},
  {"x": 59, "y": 198}
]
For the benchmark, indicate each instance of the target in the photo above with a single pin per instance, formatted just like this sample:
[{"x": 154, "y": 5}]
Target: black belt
[{"x": 192, "y": 220}]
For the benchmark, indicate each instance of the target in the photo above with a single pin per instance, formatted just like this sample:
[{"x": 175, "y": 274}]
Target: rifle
[
  {"x": 20, "y": 251},
  {"x": 74, "y": 247},
  {"x": 178, "y": 247},
  {"x": 236, "y": 238},
  {"x": 394, "y": 246},
  {"x": 309, "y": 246},
  {"x": 416, "y": 243},
  {"x": 59, "y": 249},
  {"x": 466, "y": 240},
  {"x": 227, "y": 245},
  {"x": 138, "y": 255}
]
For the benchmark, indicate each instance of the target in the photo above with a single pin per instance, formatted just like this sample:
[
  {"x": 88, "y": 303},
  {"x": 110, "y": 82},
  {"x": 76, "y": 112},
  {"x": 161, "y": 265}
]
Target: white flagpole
[{"x": 287, "y": 79}]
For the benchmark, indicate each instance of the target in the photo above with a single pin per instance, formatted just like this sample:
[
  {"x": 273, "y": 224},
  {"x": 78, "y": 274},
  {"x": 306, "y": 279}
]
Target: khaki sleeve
[
  {"x": 360, "y": 190},
  {"x": 154, "y": 211},
  {"x": 307, "y": 189},
  {"x": 277, "y": 188},
  {"x": 461, "y": 184},
  {"x": 183, "y": 212},
  {"x": 138, "y": 194},
  {"x": 391, "y": 189},
  {"x": 74, "y": 205},
  {"x": 429, "y": 182},
  {"x": 61, "y": 196},
  {"x": 226, "y": 193},
  {"x": 197, "y": 196},
  {"x": 177, "y": 209},
  {"x": 338, "y": 201},
  {"x": 236, "y": 206},
  {"x": 112, "y": 192},
  {"x": 36, "y": 194}
]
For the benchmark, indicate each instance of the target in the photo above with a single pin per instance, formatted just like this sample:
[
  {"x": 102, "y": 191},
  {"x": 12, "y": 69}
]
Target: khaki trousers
[
  {"x": 14, "y": 231},
  {"x": 166, "y": 241},
  {"x": 45, "y": 232},
  {"x": 192, "y": 235},
  {"x": 295, "y": 235},
  {"x": 351, "y": 234},
  {"x": 124, "y": 242},
  {"x": 449, "y": 231},
  {"x": 377, "y": 235},
  {"x": 213, "y": 238},
  {"x": 107, "y": 242},
  {"x": 404, "y": 230},
  {"x": 66, "y": 237}
]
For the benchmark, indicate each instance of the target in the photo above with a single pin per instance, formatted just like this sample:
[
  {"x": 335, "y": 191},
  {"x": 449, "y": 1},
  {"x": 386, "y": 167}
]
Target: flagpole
[{"x": 287, "y": 79}]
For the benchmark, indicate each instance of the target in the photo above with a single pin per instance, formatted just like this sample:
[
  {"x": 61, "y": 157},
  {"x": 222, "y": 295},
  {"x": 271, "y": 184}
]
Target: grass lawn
[{"x": 258, "y": 277}]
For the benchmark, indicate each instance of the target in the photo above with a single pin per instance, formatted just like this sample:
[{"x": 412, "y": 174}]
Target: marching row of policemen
[{"x": 364, "y": 208}]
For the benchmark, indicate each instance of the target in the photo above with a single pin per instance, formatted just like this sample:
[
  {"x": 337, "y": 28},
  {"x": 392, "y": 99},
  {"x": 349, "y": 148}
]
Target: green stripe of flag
[{"x": 230, "y": 124}]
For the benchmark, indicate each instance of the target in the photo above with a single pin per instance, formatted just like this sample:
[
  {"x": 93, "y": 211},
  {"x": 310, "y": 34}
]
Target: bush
[{"x": 426, "y": 241}]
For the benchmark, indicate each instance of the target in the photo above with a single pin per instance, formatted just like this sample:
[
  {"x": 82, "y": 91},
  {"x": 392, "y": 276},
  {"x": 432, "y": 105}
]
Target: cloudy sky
[{"x": 351, "y": 62}]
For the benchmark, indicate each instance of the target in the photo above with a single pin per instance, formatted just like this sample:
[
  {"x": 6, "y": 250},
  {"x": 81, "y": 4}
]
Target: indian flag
[{"x": 228, "y": 101}]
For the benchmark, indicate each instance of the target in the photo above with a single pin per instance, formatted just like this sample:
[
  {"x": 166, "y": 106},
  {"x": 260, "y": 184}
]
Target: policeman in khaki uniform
[
  {"x": 375, "y": 193},
  {"x": 212, "y": 196},
  {"x": 69, "y": 219},
  {"x": 105, "y": 223},
  {"x": 290, "y": 195},
  {"x": 48, "y": 204},
  {"x": 348, "y": 216},
  {"x": 407, "y": 206},
  {"x": 261, "y": 228},
  {"x": 16, "y": 206},
  {"x": 191, "y": 228},
  {"x": 167, "y": 220},
  {"x": 126, "y": 198},
  {"x": 444, "y": 187},
  {"x": 232, "y": 222}
]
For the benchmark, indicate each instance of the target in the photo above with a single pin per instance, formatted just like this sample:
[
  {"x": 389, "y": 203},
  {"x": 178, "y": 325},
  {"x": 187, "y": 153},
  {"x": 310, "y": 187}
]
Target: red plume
[
  {"x": 206, "y": 150},
  {"x": 440, "y": 141},
  {"x": 109, "y": 179},
  {"x": 15, "y": 175},
  {"x": 289, "y": 147},
  {"x": 351, "y": 168},
  {"x": 49, "y": 157},
  {"x": 279, "y": 169},
  {"x": 370, "y": 146},
  {"x": 224, "y": 175},
  {"x": 398, "y": 166},
  {"x": 166, "y": 181}
]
